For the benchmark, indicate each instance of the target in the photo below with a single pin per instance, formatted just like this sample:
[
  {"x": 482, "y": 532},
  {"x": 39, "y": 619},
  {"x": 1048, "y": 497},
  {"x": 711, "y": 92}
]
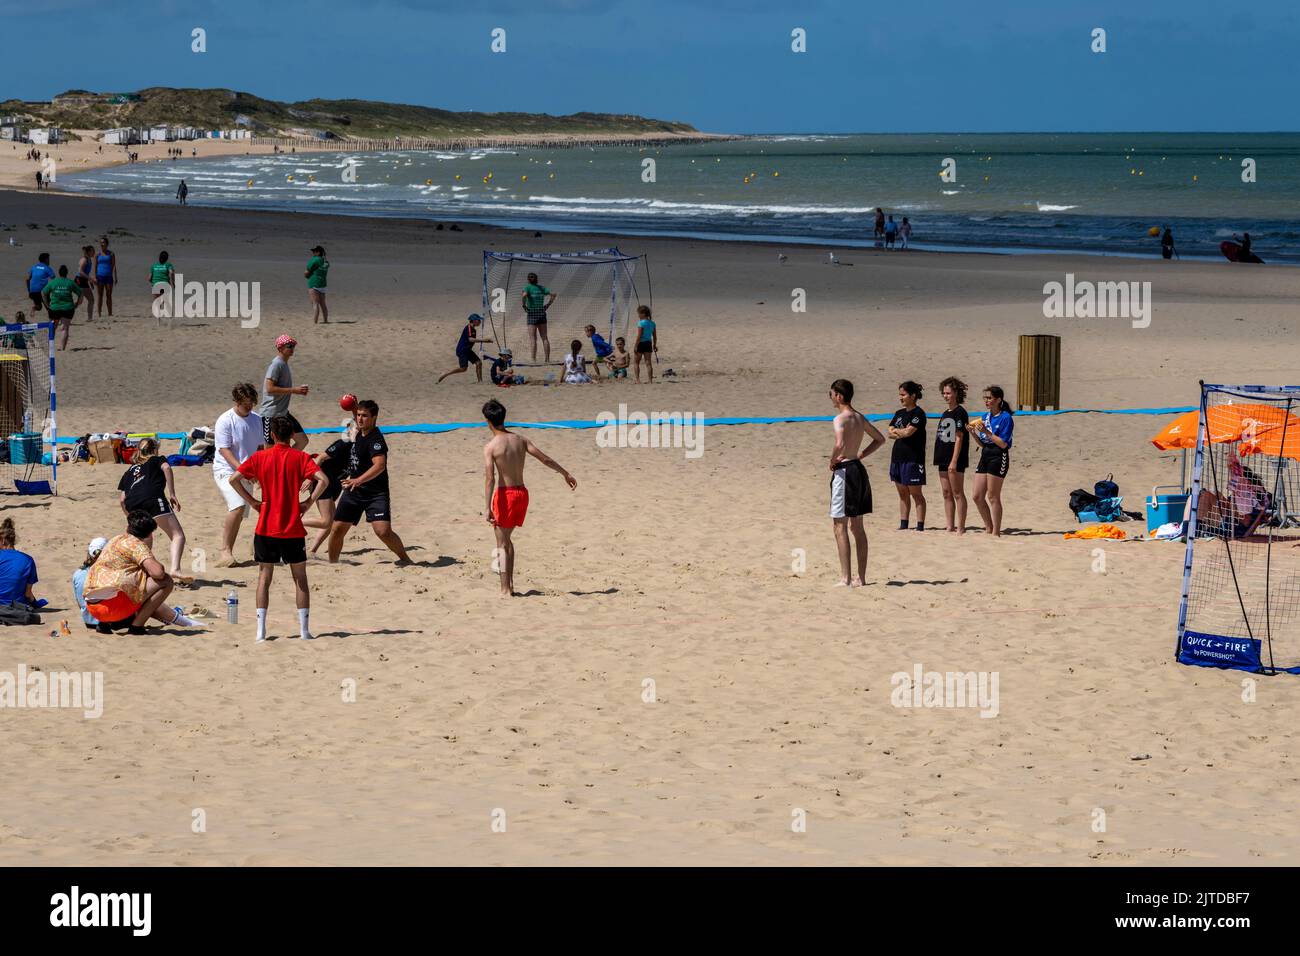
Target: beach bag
[
  {"x": 1106, "y": 488},
  {"x": 1081, "y": 500},
  {"x": 16, "y": 613}
]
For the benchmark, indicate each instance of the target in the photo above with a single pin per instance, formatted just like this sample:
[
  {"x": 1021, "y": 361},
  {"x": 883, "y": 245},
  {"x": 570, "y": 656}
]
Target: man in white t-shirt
[{"x": 239, "y": 434}]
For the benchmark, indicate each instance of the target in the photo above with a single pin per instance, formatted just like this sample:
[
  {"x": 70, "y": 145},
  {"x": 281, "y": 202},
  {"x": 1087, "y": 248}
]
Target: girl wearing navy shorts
[
  {"x": 907, "y": 458},
  {"x": 993, "y": 432}
]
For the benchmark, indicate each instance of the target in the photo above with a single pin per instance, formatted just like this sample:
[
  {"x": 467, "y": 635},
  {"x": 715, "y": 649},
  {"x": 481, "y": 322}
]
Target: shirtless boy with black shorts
[{"x": 850, "y": 487}]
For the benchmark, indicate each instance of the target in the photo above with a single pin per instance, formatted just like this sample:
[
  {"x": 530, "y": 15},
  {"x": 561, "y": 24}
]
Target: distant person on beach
[
  {"x": 182, "y": 192},
  {"x": 1167, "y": 243},
  {"x": 333, "y": 462},
  {"x": 318, "y": 268},
  {"x": 506, "y": 496},
  {"x": 62, "y": 296},
  {"x": 536, "y": 300},
  {"x": 239, "y": 434},
  {"x": 952, "y": 453},
  {"x": 37, "y": 276},
  {"x": 647, "y": 342},
  {"x": 907, "y": 457},
  {"x": 105, "y": 276},
  {"x": 465, "y": 349},
  {"x": 993, "y": 432},
  {"x": 85, "y": 279},
  {"x": 280, "y": 536},
  {"x": 127, "y": 586},
  {"x": 365, "y": 490},
  {"x": 850, "y": 486},
  {"x": 904, "y": 234},
  {"x": 149, "y": 486},
  {"x": 278, "y": 388},
  {"x": 162, "y": 281},
  {"x": 891, "y": 233},
  {"x": 880, "y": 224},
  {"x": 39, "y": 182}
]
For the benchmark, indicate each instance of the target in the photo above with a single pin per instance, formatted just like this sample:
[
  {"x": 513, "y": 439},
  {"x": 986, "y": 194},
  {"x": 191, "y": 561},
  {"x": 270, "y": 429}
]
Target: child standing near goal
[{"x": 647, "y": 342}]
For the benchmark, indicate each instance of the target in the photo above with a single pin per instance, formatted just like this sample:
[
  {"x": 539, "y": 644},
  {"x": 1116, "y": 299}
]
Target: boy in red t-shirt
[{"x": 280, "y": 536}]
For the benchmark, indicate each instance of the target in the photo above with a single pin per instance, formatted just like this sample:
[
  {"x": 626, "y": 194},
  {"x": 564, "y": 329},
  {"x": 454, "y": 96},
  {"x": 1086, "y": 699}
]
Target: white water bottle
[{"x": 232, "y": 607}]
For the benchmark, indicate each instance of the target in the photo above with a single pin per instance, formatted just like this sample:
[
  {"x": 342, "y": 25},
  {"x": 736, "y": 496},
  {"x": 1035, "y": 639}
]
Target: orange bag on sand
[{"x": 1098, "y": 531}]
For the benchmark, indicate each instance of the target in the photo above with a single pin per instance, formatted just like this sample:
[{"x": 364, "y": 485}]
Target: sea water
[{"x": 1095, "y": 193}]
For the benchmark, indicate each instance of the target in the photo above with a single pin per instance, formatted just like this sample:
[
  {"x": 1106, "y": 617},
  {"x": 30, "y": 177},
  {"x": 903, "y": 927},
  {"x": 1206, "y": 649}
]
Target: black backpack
[
  {"x": 16, "y": 613},
  {"x": 1106, "y": 488},
  {"x": 1081, "y": 500}
]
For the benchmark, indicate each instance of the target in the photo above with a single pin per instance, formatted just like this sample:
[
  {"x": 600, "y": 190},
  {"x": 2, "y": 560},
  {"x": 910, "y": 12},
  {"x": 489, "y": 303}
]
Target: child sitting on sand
[
  {"x": 500, "y": 370},
  {"x": 619, "y": 359},
  {"x": 575, "y": 366}
]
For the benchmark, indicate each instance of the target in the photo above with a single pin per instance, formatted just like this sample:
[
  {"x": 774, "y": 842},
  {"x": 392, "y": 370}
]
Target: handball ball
[{"x": 348, "y": 402}]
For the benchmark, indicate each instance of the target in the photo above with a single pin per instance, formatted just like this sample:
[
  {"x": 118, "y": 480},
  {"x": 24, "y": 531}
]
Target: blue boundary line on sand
[{"x": 576, "y": 424}]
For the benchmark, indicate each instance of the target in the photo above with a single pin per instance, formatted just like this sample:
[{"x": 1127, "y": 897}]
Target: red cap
[{"x": 284, "y": 340}]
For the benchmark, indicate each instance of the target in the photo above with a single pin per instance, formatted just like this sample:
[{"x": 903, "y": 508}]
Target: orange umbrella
[{"x": 1276, "y": 442}]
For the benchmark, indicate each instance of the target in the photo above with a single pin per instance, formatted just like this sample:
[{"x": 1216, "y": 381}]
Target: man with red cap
[{"x": 277, "y": 388}]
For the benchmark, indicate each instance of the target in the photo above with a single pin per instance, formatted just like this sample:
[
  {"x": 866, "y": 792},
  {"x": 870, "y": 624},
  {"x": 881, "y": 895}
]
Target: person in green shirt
[
  {"x": 535, "y": 301},
  {"x": 162, "y": 274},
  {"x": 318, "y": 268},
  {"x": 62, "y": 296}
]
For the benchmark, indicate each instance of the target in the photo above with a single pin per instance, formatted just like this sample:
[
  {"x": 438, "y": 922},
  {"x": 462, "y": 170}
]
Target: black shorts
[
  {"x": 62, "y": 313},
  {"x": 943, "y": 458},
  {"x": 333, "y": 490},
  {"x": 152, "y": 506},
  {"x": 994, "y": 461},
  {"x": 645, "y": 348},
  {"x": 464, "y": 358},
  {"x": 268, "y": 550},
  {"x": 536, "y": 316},
  {"x": 266, "y": 428},
  {"x": 38, "y": 303},
  {"x": 907, "y": 472},
  {"x": 351, "y": 506}
]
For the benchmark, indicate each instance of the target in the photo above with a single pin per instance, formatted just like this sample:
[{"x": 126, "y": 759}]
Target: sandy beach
[{"x": 772, "y": 688}]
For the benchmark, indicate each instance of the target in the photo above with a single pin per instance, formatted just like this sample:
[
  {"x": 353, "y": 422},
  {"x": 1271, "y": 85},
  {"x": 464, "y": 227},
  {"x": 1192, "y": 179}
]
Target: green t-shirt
[
  {"x": 63, "y": 293},
  {"x": 317, "y": 268},
  {"x": 535, "y": 297},
  {"x": 160, "y": 272}
]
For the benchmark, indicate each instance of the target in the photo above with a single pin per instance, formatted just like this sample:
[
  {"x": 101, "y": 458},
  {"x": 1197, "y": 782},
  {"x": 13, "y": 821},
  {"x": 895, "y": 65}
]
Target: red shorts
[
  {"x": 509, "y": 505},
  {"x": 117, "y": 608}
]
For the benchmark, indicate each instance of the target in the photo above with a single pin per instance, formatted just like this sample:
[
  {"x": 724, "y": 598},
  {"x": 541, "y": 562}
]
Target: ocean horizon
[{"x": 1094, "y": 193}]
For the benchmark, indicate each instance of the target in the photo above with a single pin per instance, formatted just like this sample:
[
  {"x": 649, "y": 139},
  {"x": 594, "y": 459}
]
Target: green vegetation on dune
[{"x": 226, "y": 109}]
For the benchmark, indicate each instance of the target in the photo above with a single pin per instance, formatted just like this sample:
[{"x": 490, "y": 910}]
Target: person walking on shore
[
  {"x": 182, "y": 191},
  {"x": 318, "y": 268}
]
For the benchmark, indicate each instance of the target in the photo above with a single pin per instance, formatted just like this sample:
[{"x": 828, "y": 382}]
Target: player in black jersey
[{"x": 952, "y": 453}]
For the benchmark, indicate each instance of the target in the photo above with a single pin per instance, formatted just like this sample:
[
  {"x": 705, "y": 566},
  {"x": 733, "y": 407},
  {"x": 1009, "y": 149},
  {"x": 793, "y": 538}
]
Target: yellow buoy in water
[
  {"x": 774, "y": 173},
  {"x": 250, "y": 182},
  {"x": 523, "y": 179},
  {"x": 1153, "y": 231},
  {"x": 428, "y": 182},
  {"x": 552, "y": 175},
  {"x": 458, "y": 177},
  {"x": 1194, "y": 178},
  {"x": 289, "y": 177}
]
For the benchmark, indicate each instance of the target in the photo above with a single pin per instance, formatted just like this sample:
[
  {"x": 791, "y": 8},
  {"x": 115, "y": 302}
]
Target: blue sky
[{"x": 727, "y": 66}]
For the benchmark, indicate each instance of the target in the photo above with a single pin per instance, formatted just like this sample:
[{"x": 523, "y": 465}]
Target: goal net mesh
[{"x": 26, "y": 412}]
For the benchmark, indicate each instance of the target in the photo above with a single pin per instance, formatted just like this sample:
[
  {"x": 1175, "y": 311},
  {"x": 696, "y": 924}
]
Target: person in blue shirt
[
  {"x": 465, "y": 349},
  {"x": 17, "y": 569},
  {"x": 37, "y": 276},
  {"x": 79, "y": 580},
  {"x": 993, "y": 434},
  {"x": 602, "y": 348}
]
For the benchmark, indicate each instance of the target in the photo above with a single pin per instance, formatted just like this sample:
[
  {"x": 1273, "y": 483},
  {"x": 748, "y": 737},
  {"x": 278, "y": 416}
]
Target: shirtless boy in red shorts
[{"x": 504, "y": 456}]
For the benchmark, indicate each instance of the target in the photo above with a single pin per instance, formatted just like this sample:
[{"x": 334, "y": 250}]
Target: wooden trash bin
[{"x": 1039, "y": 382}]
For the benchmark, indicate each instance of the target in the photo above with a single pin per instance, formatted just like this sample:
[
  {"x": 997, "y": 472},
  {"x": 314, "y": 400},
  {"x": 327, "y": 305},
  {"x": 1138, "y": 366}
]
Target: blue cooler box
[
  {"x": 1163, "y": 509},
  {"x": 25, "y": 448}
]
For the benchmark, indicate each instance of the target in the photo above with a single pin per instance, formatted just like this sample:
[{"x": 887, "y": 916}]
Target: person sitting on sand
[
  {"x": 465, "y": 349},
  {"x": 500, "y": 372},
  {"x": 575, "y": 366},
  {"x": 79, "y": 580},
  {"x": 620, "y": 359},
  {"x": 17, "y": 569},
  {"x": 850, "y": 486},
  {"x": 149, "y": 486},
  {"x": 506, "y": 504},
  {"x": 602, "y": 348},
  {"x": 127, "y": 586}
]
